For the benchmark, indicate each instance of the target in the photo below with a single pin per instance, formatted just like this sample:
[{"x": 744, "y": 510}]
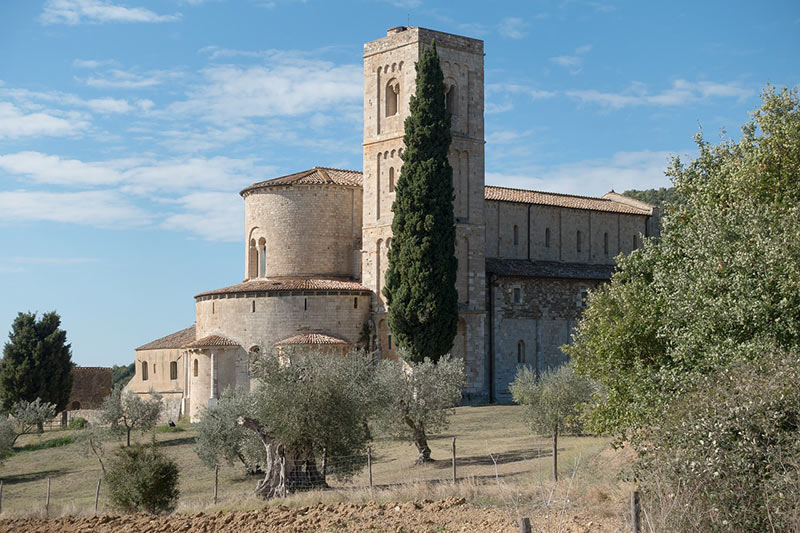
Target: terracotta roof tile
[
  {"x": 261, "y": 285},
  {"x": 505, "y": 194},
  {"x": 314, "y": 176},
  {"x": 173, "y": 340},
  {"x": 311, "y": 338},
  {"x": 212, "y": 340}
]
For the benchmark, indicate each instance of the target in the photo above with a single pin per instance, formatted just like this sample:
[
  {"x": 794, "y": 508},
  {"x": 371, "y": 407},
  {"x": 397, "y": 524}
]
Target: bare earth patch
[{"x": 449, "y": 515}]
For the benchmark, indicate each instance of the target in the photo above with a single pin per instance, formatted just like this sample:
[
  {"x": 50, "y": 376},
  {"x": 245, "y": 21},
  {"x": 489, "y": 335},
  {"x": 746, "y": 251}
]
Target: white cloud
[
  {"x": 15, "y": 123},
  {"x": 74, "y": 12},
  {"x": 95, "y": 208},
  {"x": 682, "y": 92},
  {"x": 109, "y": 105},
  {"x": 622, "y": 171},
  {"x": 214, "y": 216},
  {"x": 512, "y": 88},
  {"x": 513, "y": 28},
  {"x": 573, "y": 63},
  {"x": 90, "y": 63},
  {"x": 506, "y": 136},
  {"x": 52, "y": 169},
  {"x": 120, "y": 79},
  {"x": 292, "y": 88}
]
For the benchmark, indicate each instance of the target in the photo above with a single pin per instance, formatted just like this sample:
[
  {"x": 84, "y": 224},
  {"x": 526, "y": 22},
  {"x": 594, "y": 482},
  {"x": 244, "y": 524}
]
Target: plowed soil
[{"x": 441, "y": 516}]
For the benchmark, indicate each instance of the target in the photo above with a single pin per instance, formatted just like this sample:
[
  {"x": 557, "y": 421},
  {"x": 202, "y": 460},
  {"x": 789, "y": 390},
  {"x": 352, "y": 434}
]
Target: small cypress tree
[
  {"x": 420, "y": 285},
  {"x": 37, "y": 362}
]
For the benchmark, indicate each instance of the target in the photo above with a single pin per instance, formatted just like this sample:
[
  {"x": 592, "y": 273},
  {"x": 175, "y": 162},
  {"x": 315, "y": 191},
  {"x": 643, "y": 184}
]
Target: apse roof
[{"x": 314, "y": 176}]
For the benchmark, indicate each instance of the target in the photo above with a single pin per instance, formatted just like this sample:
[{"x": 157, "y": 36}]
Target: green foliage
[
  {"x": 420, "y": 287},
  {"x": 221, "y": 439},
  {"x": 7, "y": 437},
  {"x": 36, "y": 362},
  {"x": 57, "y": 442},
  {"x": 316, "y": 402},
  {"x": 30, "y": 416},
  {"x": 418, "y": 395},
  {"x": 77, "y": 423},
  {"x": 142, "y": 478},
  {"x": 720, "y": 282},
  {"x": 726, "y": 455},
  {"x": 661, "y": 197},
  {"x": 121, "y": 375},
  {"x": 126, "y": 411},
  {"x": 553, "y": 400}
]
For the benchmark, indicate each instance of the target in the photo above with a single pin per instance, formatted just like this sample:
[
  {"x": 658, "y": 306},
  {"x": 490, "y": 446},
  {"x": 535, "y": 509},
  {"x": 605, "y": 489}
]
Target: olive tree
[
  {"x": 307, "y": 406},
  {"x": 418, "y": 398},
  {"x": 551, "y": 402},
  {"x": 7, "y": 437},
  {"x": 126, "y": 411},
  {"x": 30, "y": 416}
]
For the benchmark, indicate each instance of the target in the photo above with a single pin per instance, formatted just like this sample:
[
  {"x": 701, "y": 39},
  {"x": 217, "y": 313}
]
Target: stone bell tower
[{"x": 389, "y": 82}]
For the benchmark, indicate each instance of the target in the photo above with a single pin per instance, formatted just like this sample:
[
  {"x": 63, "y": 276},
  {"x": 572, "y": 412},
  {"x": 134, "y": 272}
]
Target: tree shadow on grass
[
  {"x": 177, "y": 442},
  {"x": 512, "y": 456},
  {"x": 31, "y": 476}
]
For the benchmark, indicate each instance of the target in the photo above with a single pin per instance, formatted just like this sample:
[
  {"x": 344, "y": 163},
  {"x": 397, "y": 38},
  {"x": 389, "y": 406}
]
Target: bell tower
[{"x": 389, "y": 82}]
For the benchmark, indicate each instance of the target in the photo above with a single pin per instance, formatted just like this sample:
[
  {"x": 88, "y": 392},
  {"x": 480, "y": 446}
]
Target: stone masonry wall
[
  {"x": 534, "y": 329},
  {"x": 90, "y": 386}
]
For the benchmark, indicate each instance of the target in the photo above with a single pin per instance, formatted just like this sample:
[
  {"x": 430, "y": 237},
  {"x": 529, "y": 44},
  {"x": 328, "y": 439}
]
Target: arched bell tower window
[{"x": 392, "y": 92}]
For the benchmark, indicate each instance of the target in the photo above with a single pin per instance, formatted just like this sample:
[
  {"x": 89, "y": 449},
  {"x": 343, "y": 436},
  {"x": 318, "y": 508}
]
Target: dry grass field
[{"x": 499, "y": 465}]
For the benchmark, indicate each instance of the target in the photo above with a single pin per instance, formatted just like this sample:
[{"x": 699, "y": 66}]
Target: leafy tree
[
  {"x": 307, "y": 407},
  {"x": 418, "y": 398},
  {"x": 720, "y": 283},
  {"x": 552, "y": 402},
  {"x": 420, "y": 280},
  {"x": 121, "y": 375},
  {"x": 36, "y": 362},
  {"x": 31, "y": 415},
  {"x": 142, "y": 478},
  {"x": 220, "y": 438},
  {"x": 661, "y": 197},
  {"x": 126, "y": 411},
  {"x": 7, "y": 437}
]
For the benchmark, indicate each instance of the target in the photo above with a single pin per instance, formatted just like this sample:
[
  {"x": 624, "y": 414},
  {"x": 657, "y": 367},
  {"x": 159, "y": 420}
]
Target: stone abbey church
[{"x": 316, "y": 251}]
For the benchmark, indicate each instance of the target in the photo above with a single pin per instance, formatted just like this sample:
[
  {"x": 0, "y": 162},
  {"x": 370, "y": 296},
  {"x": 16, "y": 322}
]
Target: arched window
[
  {"x": 195, "y": 370},
  {"x": 547, "y": 237},
  {"x": 173, "y": 370},
  {"x": 144, "y": 370},
  {"x": 75, "y": 405},
  {"x": 392, "y": 92},
  {"x": 262, "y": 258},
  {"x": 252, "y": 266},
  {"x": 578, "y": 241},
  {"x": 391, "y": 179},
  {"x": 605, "y": 243},
  {"x": 516, "y": 235},
  {"x": 520, "y": 352},
  {"x": 450, "y": 99}
]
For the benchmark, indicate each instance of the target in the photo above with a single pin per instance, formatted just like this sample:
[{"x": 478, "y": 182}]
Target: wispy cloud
[
  {"x": 121, "y": 79},
  {"x": 91, "y": 63},
  {"x": 513, "y": 88},
  {"x": 513, "y": 28},
  {"x": 622, "y": 171},
  {"x": 682, "y": 92},
  {"x": 214, "y": 216},
  {"x": 73, "y": 12},
  {"x": 94, "y": 208},
  {"x": 506, "y": 136},
  {"x": 574, "y": 62},
  {"x": 16, "y": 123},
  {"x": 52, "y": 169}
]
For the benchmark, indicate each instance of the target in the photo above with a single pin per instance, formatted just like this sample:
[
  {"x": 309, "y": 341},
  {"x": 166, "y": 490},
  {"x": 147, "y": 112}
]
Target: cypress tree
[
  {"x": 420, "y": 286},
  {"x": 37, "y": 362}
]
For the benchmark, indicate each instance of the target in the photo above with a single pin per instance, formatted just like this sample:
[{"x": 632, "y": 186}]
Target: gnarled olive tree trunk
[
  {"x": 288, "y": 469},
  {"x": 420, "y": 441}
]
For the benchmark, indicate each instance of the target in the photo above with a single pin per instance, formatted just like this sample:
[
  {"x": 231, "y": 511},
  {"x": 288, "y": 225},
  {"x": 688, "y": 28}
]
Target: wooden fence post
[
  {"x": 454, "y": 459},
  {"x": 47, "y": 501},
  {"x": 216, "y": 482},
  {"x": 97, "y": 495},
  {"x": 636, "y": 509},
  {"x": 525, "y": 525},
  {"x": 369, "y": 465}
]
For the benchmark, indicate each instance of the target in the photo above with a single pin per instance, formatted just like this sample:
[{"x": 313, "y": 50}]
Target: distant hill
[{"x": 660, "y": 197}]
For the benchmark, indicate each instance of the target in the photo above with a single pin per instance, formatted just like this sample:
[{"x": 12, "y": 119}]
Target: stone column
[{"x": 213, "y": 377}]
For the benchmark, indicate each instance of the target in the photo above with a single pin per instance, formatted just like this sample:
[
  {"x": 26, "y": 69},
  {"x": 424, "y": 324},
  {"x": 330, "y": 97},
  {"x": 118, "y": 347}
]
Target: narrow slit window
[
  {"x": 578, "y": 241},
  {"x": 605, "y": 243},
  {"x": 173, "y": 370},
  {"x": 516, "y": 235},
  {"x": 355, "y": 302},
  {"x": 391, "y": 179},
  {"x": 547, "y": 237},
  {"x": 389, "y": 342},
  {"x": 517, "y": 295},
  {"x": 195, "y": 370},
  {"x": 144, "y": 371},
  {"x": 635, "y": 243},
  {"x": 305, "y": 304},
  {"x": 253, "y": 307},
  {"x": 520, "y": 352}
]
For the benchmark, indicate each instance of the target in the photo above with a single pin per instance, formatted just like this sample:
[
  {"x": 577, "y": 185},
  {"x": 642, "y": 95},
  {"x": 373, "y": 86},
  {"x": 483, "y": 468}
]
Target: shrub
[
  {"x": 142, "y": 478},
  {"x": 726, "y": 457},
  {"x": 77, "y": 423}
]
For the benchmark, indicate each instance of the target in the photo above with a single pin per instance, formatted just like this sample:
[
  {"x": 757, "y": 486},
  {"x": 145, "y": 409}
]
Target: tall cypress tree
[
  {"x": 37, "y": 362},
  {"x": 420, "y": 285}
]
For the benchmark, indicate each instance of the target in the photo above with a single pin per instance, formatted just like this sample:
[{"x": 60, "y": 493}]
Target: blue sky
[{"x": 127, "y": 127}]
